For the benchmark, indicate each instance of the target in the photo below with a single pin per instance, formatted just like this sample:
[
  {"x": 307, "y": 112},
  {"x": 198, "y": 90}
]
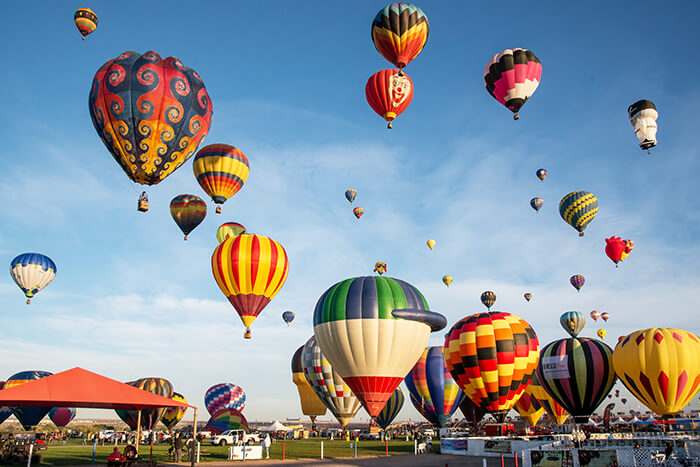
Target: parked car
[
  {"x": 235, "y": 437},
  {"x": 364, "y": 434}
]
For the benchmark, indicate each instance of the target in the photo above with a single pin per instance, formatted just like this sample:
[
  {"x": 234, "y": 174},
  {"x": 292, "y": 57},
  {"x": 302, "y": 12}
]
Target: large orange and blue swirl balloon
[
  {"x": 578, "y": 209},
  {"x": 221, "y": 170},
  {"x": 188, "y": 212},
  {"x": 32, "y": 272},
  {"x": 391, "y": 409},
  {"x": 150, "y": 113},
  {"x": 434, "y": 393},
  {"x": 399, "y": 32},
  {"x": 29, "y": 417},
  {"x": 85, "y": 20}
]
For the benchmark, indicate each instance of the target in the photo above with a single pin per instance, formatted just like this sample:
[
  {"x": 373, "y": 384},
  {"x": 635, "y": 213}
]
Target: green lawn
[{"x": 76, "y": 453}]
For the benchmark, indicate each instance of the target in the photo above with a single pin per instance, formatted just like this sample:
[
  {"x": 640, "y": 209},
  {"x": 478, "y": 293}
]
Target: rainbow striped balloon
[
  {"x": 391, "y": 409},
  {"x": 85, "y": 20},
  {"x": 227, "y": 419}
]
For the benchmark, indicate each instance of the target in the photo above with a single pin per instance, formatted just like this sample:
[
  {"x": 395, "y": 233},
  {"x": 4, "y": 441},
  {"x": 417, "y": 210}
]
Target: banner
[
  {"x": 497, "y": 446},
  {"x": 251, "y": 452},
  {"x": 551, "y": 459},
  {"x": 555, "y": 367},
  {"x": 453, "y": 446},
  {"x": 601, "y": 458}
]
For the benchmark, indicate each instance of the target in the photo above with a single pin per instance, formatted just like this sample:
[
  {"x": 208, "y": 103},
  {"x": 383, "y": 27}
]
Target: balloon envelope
[
  {"x": 223, "y": 396},
  {"x": 573, "y": 322},
  {"x": 447, "y": 280},
  {"x": 29, "y": 417},
  {"x": 430, "y": 243},
  {"x": 32, "y": 272},
  {"x": 227, "y": 419},
  {"x": 488, "y": 298},
  {"x": 536, "y": 204},
  {"x": 578, "y": 209},
  {"x": 5, "y": 412},
  {"x": 529, "y": 407},
  {"x": 512, "y": 76},
  {"x": 528, "y": 296},
  {"x": 389, "y": 92},
  {"x": 221, "y": 170},
  {"x": 391, "y": 409},
  {"x": 380, "y": 268},
  {"x": 85, "y": 20},
  {"x": 311, "y": 405},
  {"x": 555, "y": 411},
  {"x": 229, "y": 229},
  {"x": 149, "y": 417},
  {"x": 188, "y": 211},
  {"x": 577, "y": 281},
  {"x": 350, "y": 194},
  {"x": 358, "y": 211},
  {"x": 541, "y": 174},
  {"x": 643, "y": 115},
  {"x": 399, "y": 32},
  {"x": 288, "y": 317},
  {"x": 62, "y": 416},
  {"x": 173, "y": 415}
]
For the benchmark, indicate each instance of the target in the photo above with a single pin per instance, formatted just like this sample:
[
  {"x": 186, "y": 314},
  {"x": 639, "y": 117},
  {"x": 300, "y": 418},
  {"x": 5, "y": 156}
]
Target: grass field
[{"x": 76, "y": 453}]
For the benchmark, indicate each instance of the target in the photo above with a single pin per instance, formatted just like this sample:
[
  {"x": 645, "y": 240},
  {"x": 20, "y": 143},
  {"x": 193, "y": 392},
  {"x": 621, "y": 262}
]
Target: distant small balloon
[
  {"x": 573, "y": 322},
  {"x": 447, "y": 280},
  {"x": 430, "y": 243},
  {"x": 595, "y": 314},
  {"x": 605, "y": 316},
  {"x": 358, "y": 211},
  {"x": 601, "y": 333},
  {"x": 380, "y": 268},
  {"x": 528, "y": 296},
  {"x": 350, "y": 195},
  {"x": 541, "y": 174},
  {"x": 288, "y": 317},
  {"x": 488, "y": 298},
  {"x": 577, "y": 281},
  {"x": 537, "y": 203}
]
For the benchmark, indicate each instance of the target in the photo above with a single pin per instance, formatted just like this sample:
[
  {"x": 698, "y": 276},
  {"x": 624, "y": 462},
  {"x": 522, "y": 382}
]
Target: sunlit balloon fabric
[
  {"x": 62, "y": 416},
  {"x": 573, "y": 322},
  {"x": 380, "y": 268},
  {"x": 660, "y": 367},
  {"x": 358, "y": 211},
  {"x": 85, "y": 20},
  {"x": 488, "y": 299},
  {"x": 330, "y": 388},
  {"x": 188, "y": 211},
  {"x": 389, "y": 92},
  {"x": 602, "y": 333},
  {"x": 578, "y": 373},
  {"x": 536, "y": 204},
  {"x": 512, "y": 76},
  {"x": 541, "y": 174},
  {"x": 224, "y": 395},
  {"x": 350, "y": 194},
  {"x": 150, "y": 113},
  {"x": 250, "y": 270},
  {"x": 434, "y": 393},
  {"x": 227, "y": 419},
  {"x": 618, "y": 249},
  {"x": 529, "y": 407},
  {"x": 577, "y": 281},
  {"x": 527, "y": 296},
  {"x": 173, "y": 415},
  {"x": 229, "y": 229},
  {"x": 373, "y": 329},
  {"x": 595, "y": 314},
  {"x": 447, "y": 280},
  {"x": 311, "y": 405},
  {"x": 391, "y": 409},
  {"x": 149, "y": 417},
  {"x": 643, "y": 115},
  {"x": 605, "y": 316},
  {"x": 29, "y": 417},
  {"x": 430, "y": 243},
  {"x": 32, "y": 272},
  {"x": 221, "y": 170},
  {"x": 492, "y": 356},
  {"x": 578, "y": 209},
  {"x": 399, "y": 32},
  {"x": 552, "y": 407}
]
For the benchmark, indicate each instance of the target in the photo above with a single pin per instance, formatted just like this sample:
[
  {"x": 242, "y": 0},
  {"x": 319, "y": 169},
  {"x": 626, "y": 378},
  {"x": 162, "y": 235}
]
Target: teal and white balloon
[{"x": 573, "y": 322}]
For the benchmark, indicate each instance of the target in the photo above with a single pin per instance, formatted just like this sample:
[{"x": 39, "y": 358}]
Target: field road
[{"x": 430, "y": 460}]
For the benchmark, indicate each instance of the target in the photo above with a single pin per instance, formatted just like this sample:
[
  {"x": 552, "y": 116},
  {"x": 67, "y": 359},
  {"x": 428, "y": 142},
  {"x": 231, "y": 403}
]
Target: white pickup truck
[{"x": 235, "y": 437}]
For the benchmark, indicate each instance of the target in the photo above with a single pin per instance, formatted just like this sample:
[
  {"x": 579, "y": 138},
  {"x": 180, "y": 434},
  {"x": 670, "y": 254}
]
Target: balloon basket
[
  {"x": 247, "y": 334},
  {"x": 516, "y": 117},
  {"x": 218, "y": 209},
  {"x": 142, "y": 206},
  {"x": 389, "y": 126},
  {"x": 185, "y": 237},
  {"x": 580, "y": 234},
  {"x": 28, "y": 301}
]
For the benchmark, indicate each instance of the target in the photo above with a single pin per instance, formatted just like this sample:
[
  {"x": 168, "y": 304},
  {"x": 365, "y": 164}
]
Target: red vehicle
[{"x": 499, "y": 429}]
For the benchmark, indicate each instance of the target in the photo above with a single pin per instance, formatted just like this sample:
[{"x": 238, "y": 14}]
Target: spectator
[
  {"x": 266, "y": 443},
  {"x": 429, "y": 443},
  {"x": 177, "y": 445},
  {"x": 668, "y": 451}
]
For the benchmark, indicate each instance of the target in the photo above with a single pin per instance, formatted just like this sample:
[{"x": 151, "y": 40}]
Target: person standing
[
  {"x": 266, "y": 443},
  {"x": 177, "y": 445}
]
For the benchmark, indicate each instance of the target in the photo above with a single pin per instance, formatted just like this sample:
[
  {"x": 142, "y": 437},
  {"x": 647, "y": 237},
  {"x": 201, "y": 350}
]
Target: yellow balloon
[
  {"x": 311, "y": 405},
  {"x": 602, "y": 333},
  {"x": 660, "y": 367},
  {"x": 447, "y": 280},
  {"x": 430, "y": 243}
]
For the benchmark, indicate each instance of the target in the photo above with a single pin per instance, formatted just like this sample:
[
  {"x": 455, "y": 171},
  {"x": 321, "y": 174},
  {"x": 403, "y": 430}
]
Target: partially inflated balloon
[
  {"x": 32, "y": 272},
  {"x": 602, "y": 333},
  {"x": 434, "y": 393},
  {"x": 472, "y": 412},
  {"x": 578, "y": 209},
  {"x": 643, "y": 117},
  {"x": 188, "y": 212},
  {"x": 512, "y": 76},
  {"x": 578, "y": 373},
  {"x": 350, "y": 195},
  {"x": 529, "y": 407},
  {"x": 552, "y": 407},
  {"x": 150, "y": 113},
  {"x": 229, "y": 229},
  {"x": 173, "y": 415},
  {"x": 372, "y": 330},
  {"x": 224, "y": 395},
  {"x": 399, "y": 32},
  {"x": 311, "y": 405},
  {"x": 573, "y": 322},
  {"x": 227, "y": 419},
  {"x": 221, "y": 170},
  {"x": 250, "y": 270},
  {"x": 528, "y": 296},
  {"x": 391, "y": 409},
  {"x": 330, "y": 388},
  {"x": 492, "y": 357},
  {"x": 85, "y": 20},
  {"x": 288, "y": 317},
  {"x": 447, "y": 280},
  {"x": 29, "y": 417},
  {"x": 541, "y": 174},
  {"x": 577, "y": 281},
  {"x": 536, "y": 204},
  {"x": 380, "y": 268},
  {"x": 149, "y": 417},
  {"x": 389, "y": 92},
  {"x": 358, "y": 211},
  {"x": 488, "y": 298},
  {"x": 660, "y": 367},
  {"x": 430, "y": 243}
]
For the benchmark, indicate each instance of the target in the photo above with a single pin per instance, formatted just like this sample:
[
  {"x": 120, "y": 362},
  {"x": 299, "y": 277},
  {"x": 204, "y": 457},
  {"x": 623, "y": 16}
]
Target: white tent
[
  {"x": 635, "y": 420},
  {"x": 618, "y": 421},
  {"x": 277, "y": 426}
]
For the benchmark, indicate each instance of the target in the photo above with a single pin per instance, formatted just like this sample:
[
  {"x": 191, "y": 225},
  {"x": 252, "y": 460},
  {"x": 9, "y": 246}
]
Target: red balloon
[
  {"x": 389, "y": 92},
  {"x": 614, "y": 248}
]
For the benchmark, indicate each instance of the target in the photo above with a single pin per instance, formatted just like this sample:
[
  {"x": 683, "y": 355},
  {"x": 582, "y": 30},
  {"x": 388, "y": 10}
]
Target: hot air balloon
[
  {"x": 629, "y": 244},
  {"x": 488, "y": 298},
  {"x": 617, "y": 391},
  {"x": 150, "y": 113},
  {"x": 85, "y": 20},
  {"x": 537, "y": 203},
  {"x": 660, "y": 367},
  {"x": 528, "y": 296},
  {"x": 447, "y": 280},
  {"x": 350, "y": 194},
  {"x": 553, "y": 409},
  {"x": 472, "y": 412},
  {"x": 512, "y": 76},
  {"x": 595, "y": 314},
  {"x": 32, "y": 272},
  {"x": 373, "y": 330},
  {"x": 149, "y": 417},
  {"x": 250, "y": 270},
  {"x": 188, "y": 212},
  {"x": 224, "y": 396},
  {"x": 227, "y": 419},
  {"x": 529, "y": 407},
  {"x": 573, "y": 322},
  {"x": 29, "y": 417},
  {"x": 229, "y": 229},
  {"x": 434, "y": 393},
  {"x": 492, "y": 357},
  {"x": 578, "y": 373},
  {"x": 380, "y": 268},
  {"x": 5, "y": 412},
  {"x": 399, "y": 32},
  {"x": 541, "y": 174},
  {"x": 601, "y": 333},
  {"x": 330, "y": 388},
  {"x": 615, "y": 248},
  {"x": 643, "y": 117},
  {"x": 389, "y": 92},
  {"x": 62, "y": 416},
  {"x": 221, "y": 170},
  {"x": 173, "y": 415},
  {"x": 358, "y": 211},
  {"x": 391, "y": 409},
  {"x": 288, "y": 317},
  {"x": 577, "y": 281},
  {"x": 430, "y": 243},
  {"x": 605, "y": 316},
  {"x": 311, "y": 405},
  {"x": 578, "y": 209}
]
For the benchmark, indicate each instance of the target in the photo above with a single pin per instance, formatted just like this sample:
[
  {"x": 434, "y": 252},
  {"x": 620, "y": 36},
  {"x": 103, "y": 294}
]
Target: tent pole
[
  {"x": 194, "y": 436},
  {"x": 138, "y": 433}
]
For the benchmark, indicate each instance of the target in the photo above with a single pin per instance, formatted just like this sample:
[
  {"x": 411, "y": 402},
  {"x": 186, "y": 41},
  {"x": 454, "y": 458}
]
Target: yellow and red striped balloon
[
  {"x": 250, "y": 270},
  {"x": 85, "y": 20},
  {"x": 221, "y": 170}
]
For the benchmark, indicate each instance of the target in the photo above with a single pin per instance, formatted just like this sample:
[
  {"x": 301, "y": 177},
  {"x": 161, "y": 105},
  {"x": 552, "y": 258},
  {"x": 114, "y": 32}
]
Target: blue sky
[{"x": 131, "y": 299}]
